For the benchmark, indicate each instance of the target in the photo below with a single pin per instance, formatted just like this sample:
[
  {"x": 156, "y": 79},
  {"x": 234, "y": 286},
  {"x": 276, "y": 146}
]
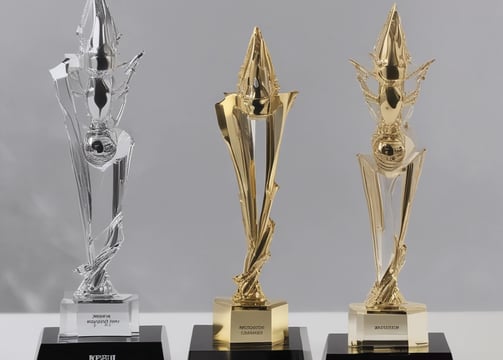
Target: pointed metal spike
[
  {"x": 100, "y": 39},
  {"x": 257, "y": 83},
  {"x": 391, "y": 48}
]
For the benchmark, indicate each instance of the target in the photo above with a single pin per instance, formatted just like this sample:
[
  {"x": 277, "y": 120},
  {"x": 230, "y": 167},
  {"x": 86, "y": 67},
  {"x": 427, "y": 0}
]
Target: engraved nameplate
[
  {"x": 103, "y": 320},
  {"x": 251, "y": 326},
  {"x": 382, "y": 327}
]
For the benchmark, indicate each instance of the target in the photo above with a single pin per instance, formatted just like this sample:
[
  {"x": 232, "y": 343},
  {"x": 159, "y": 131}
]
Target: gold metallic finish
[
  {"x": 390, "y": 143},
  {"x": 257, "y": 99},
  {"x": 385, "y": 293},
  {"x": 257, "y": 84},
  {"x": 407, "y": 324},
  {"x": 395, "y": 164},
  {"x": 267, "y": 324}
]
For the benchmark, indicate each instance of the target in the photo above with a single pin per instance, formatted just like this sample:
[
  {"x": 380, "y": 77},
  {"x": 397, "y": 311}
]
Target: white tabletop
[{"x": 471, "y": 335}]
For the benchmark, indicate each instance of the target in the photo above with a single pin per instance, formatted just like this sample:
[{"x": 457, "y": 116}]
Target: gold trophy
[
  {"x": 390, "y": 178},
  {"x": 248, "y": 325},
  {"x": 249, "y": 317}
]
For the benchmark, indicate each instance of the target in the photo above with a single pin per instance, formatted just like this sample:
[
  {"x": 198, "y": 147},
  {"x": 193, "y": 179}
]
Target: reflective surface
[
  {"x": 202, "y": 347},
  {"x": 118, "y": 318},
  {"x": 402, "y": 328},
  {"x": 92, "y": 88},
  {"x": 243, "y": 325},
  {"x": 257, "y": 100},
  {"x": 336, "y": 349},
  {"x": 390, "y": 175},
  {"x": 151, "y": 343}
]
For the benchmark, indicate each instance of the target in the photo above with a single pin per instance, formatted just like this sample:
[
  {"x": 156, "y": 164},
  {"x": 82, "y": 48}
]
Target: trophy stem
[
  {"x": 96, "y": 283},
  {"x": 389, "y": 219},
  {"x": 91, "y": 250}
]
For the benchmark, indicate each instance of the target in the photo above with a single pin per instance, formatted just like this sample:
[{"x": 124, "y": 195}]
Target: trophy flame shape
[
  {"x": 396, "y": 164},
  {"x": 257, "y": 99},
  {"x": 92, "y": 89}
]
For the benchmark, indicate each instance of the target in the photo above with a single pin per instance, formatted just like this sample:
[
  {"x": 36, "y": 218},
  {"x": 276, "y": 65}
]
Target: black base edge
[
  {"x": 336, "y": 348},
  {"x": 202, "y": 347},
  {"x": 151, "y": 344}
]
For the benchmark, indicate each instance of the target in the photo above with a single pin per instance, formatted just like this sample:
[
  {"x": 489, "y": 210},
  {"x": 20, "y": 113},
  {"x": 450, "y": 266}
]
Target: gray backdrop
[{"x": 184, "y": 236}]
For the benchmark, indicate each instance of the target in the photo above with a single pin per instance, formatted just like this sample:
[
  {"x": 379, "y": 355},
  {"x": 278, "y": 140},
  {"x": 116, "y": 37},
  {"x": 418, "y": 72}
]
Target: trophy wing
[
  {"x": 412, "y": 175},
  {"x": 375, "y": 207},
  {"x": 419, "y": 75},
  {"x": 236, "y": 130},
  {"x": 123, "y": 78},
  {"x": 65, "y": 84}
]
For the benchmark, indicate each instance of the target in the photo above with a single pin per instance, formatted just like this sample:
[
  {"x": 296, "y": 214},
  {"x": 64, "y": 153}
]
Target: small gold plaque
[
  {"x": 238, "y": 324},
  {"x": 405, "y": 324}
]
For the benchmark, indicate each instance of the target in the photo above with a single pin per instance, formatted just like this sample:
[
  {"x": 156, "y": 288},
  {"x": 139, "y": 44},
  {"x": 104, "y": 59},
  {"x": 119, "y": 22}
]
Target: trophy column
[
  {"x": 96, "y": 321},
  {"x": 248, "y": 324},
  {"x": 386, "y": 322}
]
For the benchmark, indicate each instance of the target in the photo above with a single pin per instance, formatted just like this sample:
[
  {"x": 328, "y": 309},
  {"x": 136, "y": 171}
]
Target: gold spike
[
  {"x": 391, "y": 49},
  {"x": 257, "y": 83}
]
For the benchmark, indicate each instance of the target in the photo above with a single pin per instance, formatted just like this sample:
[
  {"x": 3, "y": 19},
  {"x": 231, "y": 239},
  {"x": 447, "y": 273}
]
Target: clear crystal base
[
  {"x": 402, "y": 326},
  {"x": 116, "y": 316}
]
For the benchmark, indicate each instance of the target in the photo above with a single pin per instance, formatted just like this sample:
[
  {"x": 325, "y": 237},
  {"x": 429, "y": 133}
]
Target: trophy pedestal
[
  {"x": 336, "y": 348},
  {"x": 405, "y": 326},
  {"x": 294, "y": 347},
  {"x": 112, "y": 317},
  {"x": 237, "y": 324},
  {"x": 150, "y": 344}
]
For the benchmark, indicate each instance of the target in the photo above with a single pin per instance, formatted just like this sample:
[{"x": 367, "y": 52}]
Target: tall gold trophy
[
  {"x": 249, "y": 317},
  {"x": 249, "y": 324},
  {"x": 390, "y": 178}
]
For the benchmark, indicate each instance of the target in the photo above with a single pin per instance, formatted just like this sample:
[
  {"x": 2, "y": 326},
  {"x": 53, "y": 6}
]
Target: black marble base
[
  {"x": 151, "y": 344},
  {"x": 202, "y": 347},
  {"x": 336, "y": 348}
]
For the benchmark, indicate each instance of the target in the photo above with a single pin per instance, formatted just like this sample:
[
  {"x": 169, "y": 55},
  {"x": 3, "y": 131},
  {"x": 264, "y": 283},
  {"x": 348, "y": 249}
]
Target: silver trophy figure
[{"x": 92, "y": 88}]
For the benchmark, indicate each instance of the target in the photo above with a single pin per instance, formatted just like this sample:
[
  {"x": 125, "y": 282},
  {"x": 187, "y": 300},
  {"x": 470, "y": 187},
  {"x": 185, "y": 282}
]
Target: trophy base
[
  {"x": 336, "y": 348},
  {"x": 150, "y": 344},
  {"x": 240, "y": 325},
  {"x": 118, "y": 316},
  {"x": 294, "y": 347},
  {"x": 404, "y": 326}
]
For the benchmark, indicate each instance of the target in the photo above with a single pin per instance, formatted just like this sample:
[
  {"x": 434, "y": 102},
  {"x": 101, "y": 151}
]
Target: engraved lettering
[
  {"x": 252, "y": 329},
  {"x": 104, "y": 320},
  {"x": 387, "y": 327}
]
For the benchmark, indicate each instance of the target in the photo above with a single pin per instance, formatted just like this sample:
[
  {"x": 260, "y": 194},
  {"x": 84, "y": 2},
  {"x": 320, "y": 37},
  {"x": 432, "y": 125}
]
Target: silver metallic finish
[{"x": 92, "y": 91}]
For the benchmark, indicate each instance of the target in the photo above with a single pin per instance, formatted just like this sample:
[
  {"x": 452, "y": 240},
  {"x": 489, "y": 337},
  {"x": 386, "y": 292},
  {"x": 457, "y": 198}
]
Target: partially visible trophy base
[
  {"x": 114, "y": 317},
  {"x": 336, "y": 348},
  {"x": 237, "y": 324},
  {"x": 150, "y": 344},
  {"x": 405, "y": 326},
  {"x": 294, "y": 347}
]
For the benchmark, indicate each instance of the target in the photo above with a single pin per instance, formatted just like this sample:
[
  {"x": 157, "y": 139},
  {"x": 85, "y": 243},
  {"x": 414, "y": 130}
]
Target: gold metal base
[
  {"x": 237, "y": 324},
  {"x": 402, "y": 326}
]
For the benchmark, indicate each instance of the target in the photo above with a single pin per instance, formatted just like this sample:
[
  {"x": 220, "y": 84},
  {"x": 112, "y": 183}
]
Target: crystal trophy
[
  {"x": 92, "y": 87},
  {"x": 255, "y": 114},
  {"x": 386, "y": 322}
]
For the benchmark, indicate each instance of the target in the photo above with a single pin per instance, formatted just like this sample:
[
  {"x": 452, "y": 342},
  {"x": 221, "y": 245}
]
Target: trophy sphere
[
  {"x": 389, "y": 152},
  {"x": 100, "y": 147}
]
